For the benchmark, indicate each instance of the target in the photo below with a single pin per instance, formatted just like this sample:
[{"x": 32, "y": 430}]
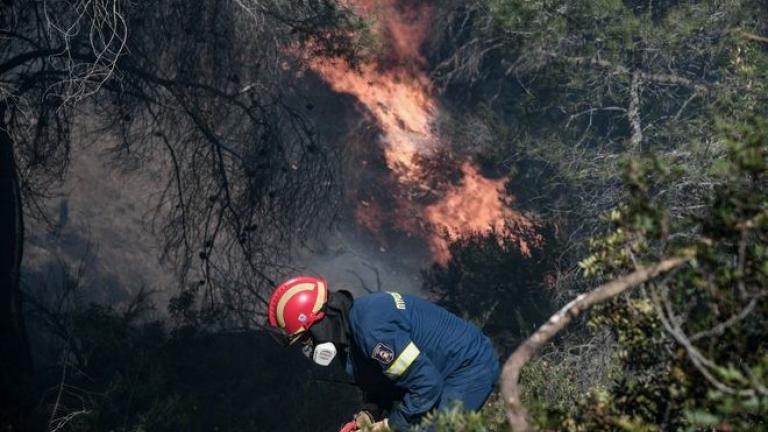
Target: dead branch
[
  {"x": 634, "y": 112},
  {"x": 705, "y": 366},
  {"x": 754, "y": 221},
  {"x": 510, "y": 375},
  {"x": 720, "y": 328},
  {"x": 754, "y": 37},
  {"x": 60, "y": 415},
  {"x": 660, "y": 78}
]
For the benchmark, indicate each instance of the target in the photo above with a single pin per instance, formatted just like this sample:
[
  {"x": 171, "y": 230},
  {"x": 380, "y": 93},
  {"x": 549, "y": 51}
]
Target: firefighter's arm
[
  {"x": 402, "y": 362},
  {"x": 386, "y": 337},
  {"x": 414, "y": 372}
]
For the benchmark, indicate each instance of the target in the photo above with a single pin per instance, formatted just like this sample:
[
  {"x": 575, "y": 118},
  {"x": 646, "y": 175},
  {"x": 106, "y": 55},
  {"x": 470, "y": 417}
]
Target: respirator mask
[
  {"x": 325, "y": 335},
  {"x": 322, "y": 354}
]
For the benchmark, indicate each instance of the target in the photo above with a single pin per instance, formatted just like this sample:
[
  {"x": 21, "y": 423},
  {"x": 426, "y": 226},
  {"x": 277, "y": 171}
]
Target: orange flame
[
  {"x": 477, "y": 205},
  {"x": 399, "y": 102},
  {"x": 404, "y": 26},
  {"x": 399, "y": 96}
]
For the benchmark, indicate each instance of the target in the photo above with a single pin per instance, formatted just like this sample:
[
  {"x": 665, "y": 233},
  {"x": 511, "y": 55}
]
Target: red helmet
[{"x": 296, "y": 304}]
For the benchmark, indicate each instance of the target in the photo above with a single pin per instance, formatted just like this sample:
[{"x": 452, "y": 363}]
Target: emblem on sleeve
[{"x": 383, "y": 353}]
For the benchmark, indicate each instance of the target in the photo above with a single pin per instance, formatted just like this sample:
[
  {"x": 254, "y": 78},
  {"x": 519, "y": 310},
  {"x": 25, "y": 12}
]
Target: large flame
[
  {"x": 399, "y": 96},
  {"x": 477, "y": 204},
  {"x": 399, "y": 101}
]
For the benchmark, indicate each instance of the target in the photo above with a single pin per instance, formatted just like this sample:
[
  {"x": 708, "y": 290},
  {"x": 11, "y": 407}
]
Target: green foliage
[
  {"x": 491, "y": 282},
  {"x": 524, "y": 16},
  {"x": 491, "y": 418},
  {"x": 560, "y": 114},
  {"x": 554, "y": 378},
  {"x": 561, "y": 73},
  {"x": 638, "y": 221},
  {"x": 691, "y": 345},
  {"x": 739, "y": 412},
  {"x": 558, "y": 378}
]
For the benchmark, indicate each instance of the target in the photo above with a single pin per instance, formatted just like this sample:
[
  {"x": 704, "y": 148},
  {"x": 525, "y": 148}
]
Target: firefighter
[{"x": 408, "y": 355}]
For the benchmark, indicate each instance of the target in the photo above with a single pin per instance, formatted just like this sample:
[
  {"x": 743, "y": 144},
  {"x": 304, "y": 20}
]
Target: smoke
[{"x": 360, "y": 264}]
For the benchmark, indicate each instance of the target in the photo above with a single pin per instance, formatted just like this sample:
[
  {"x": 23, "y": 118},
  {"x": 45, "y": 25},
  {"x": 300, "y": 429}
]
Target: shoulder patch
[{"x": 383, "y": 353}]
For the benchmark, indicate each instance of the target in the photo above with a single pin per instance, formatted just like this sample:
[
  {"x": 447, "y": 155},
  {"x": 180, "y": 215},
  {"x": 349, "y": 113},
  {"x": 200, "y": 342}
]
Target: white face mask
[{"x": 322, "y": 354}]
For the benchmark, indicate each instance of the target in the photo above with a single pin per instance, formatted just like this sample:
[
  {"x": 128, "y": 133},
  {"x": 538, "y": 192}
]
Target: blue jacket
[{"x": 415, "y": 345}]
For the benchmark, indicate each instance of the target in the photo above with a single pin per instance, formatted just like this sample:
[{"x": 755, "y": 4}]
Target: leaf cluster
[{"x": 691, "y": 345}]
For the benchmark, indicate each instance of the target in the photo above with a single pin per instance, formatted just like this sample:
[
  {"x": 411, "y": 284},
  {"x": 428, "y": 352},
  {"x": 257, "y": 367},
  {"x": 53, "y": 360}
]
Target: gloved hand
[
  {"x": 349, "y": 427},
  {"x": 360, "y": 421},
  {"x": 363, "y": 420},
  {"x": 379, "y": 426}
]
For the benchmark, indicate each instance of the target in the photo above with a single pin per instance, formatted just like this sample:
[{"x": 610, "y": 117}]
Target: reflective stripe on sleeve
[{"x": 403, "y": 361}]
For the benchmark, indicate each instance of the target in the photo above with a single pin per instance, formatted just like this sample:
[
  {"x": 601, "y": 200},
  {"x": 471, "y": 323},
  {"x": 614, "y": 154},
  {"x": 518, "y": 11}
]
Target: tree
[
  {"x": 216, "y": 102},
  {"x": 568, "y": 87},
  {"x": 214, "y": 92},
  {"x": 16, "y": 363},
  {"x": 492, "y": 283},
  {"x": 694, "y": 334},
  {"x": 41, "y": 77}
]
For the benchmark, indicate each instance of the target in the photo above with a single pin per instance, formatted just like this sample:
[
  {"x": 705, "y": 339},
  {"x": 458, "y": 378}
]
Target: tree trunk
[{"x": 15, "y": 358}]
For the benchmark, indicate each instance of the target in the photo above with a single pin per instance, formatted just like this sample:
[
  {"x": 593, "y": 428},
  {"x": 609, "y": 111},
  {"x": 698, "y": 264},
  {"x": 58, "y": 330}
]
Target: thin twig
[{"x": 633, "y": 114}]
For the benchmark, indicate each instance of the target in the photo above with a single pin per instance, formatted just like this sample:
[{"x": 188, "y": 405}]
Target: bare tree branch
[
  {"x": 660, "y": 78},
  {"x": 704, "y": 365},
  {"x": 754, "y": 37},
  {"x": 634, "y": 112},
  {"x": 720, "y": 328}
]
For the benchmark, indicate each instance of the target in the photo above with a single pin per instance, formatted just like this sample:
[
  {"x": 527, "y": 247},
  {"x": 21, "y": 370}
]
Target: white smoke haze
[
  {"x": 101, "y": 222},
  {"x": 350, "y": 260},
  {"x": 403, "y": 186},
  {"x": 100, "y": 217}
]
